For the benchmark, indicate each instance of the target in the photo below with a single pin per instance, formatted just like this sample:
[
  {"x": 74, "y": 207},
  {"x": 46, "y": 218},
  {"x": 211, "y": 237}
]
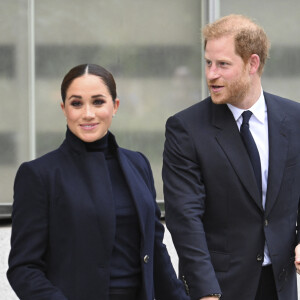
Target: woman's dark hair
[{"x": 91, "y": 69}]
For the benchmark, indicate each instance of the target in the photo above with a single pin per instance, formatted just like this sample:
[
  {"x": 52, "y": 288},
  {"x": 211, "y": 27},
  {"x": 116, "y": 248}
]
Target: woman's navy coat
[{"x": 64, "y": 226}]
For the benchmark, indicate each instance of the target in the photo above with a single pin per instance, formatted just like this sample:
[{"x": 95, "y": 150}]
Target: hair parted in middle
[
  {"x": 249, "y": 37},
  {"x": 91, "y": 69}
]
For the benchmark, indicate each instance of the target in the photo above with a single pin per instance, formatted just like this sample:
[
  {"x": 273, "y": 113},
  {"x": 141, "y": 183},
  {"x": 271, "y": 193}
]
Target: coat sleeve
[
  {"x": 29, "y": 238},
  {"x": 185, "y": 196},
  {"x": 166, "y": 284}
]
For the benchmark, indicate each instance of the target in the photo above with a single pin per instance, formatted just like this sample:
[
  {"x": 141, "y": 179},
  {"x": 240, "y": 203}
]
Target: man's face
[{"x": 227, "y": 75}]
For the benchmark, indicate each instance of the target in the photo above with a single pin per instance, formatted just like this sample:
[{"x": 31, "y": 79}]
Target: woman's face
[{"x": 89, "y": 108}]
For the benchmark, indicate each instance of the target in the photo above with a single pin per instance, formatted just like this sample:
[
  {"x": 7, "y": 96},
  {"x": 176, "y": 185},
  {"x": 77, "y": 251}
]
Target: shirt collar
[{"x": 258, "y": 109}]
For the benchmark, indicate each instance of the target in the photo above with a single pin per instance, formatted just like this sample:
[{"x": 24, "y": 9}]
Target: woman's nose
[{"x": 89, "y": 112}]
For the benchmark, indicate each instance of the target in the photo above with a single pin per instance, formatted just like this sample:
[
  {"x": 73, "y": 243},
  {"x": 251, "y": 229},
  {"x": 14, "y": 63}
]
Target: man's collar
[{"x": 258, "y": 109}]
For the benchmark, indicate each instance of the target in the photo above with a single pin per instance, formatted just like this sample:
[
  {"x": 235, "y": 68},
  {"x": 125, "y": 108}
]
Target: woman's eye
[
  {"x": 98, "y": 102},
  {"x": 76, "y": 103}
]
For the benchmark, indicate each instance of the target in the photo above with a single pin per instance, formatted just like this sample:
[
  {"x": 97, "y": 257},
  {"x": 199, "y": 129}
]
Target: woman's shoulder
[{"x": 44, "y": 162}]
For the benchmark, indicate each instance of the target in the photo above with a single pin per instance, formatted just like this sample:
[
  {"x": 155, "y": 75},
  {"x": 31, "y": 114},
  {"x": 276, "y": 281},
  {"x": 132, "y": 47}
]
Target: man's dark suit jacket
[
  {"x": 64, "y": 225},
  {"x": 213, "y": 207}
]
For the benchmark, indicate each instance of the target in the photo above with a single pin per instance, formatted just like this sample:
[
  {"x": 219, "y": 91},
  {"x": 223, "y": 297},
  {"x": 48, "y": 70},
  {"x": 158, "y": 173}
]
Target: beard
[{"x": 233, "y": 92}]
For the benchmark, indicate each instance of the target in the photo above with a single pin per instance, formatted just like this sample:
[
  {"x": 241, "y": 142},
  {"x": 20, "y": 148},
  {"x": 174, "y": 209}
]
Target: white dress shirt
[{"x": 259, "y": 129}]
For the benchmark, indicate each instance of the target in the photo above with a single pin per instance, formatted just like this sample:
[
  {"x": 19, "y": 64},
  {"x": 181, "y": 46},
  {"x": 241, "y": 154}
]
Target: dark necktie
[{"x": 251, "y": 147}]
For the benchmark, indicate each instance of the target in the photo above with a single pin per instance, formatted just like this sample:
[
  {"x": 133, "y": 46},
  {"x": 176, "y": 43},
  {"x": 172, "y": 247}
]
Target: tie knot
[{"x": 246, "y": 116}]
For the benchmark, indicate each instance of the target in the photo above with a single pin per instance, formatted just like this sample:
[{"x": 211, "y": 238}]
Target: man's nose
[{"x": 212, "y": 72}]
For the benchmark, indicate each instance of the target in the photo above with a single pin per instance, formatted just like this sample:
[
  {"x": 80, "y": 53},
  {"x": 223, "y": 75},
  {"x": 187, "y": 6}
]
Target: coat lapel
[
  {"x": 138, "y": 189},
  {"x": 230, "y": 141},
  {"x": 278, "y": 146},
  {"x": 95, "y": 189},
  {"x": 99, "y": 191}
]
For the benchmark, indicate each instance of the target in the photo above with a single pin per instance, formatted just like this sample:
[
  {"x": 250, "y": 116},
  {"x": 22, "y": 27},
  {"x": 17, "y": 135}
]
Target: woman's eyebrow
[
  {"x": 75, "y": 96},
  {"x": 98, "y": 96}
]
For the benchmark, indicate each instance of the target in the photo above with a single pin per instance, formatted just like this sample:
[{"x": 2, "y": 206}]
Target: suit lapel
[
  {"x": 278, "y": 146},
  {"x": 230, "y": 141}
]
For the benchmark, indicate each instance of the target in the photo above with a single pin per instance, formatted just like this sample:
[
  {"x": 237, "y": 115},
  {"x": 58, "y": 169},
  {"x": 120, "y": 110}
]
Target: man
[{"x": 232, "y": 195}]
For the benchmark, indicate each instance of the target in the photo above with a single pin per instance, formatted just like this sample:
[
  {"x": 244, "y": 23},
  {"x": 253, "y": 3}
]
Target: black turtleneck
[{"x": 125, "y": 261}]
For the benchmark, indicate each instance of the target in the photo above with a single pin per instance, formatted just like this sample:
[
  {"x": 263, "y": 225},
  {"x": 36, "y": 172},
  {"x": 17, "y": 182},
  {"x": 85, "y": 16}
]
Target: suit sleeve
[
  {"x": 166, "y": 284},
  {"x": 298, "y": 222},
  {"x": 185, "y": 196},
  {"x": 29, "y": 239}
]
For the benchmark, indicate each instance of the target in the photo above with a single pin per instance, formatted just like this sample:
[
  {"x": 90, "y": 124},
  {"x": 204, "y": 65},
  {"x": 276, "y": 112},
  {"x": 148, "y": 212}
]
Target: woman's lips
[{"x": 88, "y": 126}]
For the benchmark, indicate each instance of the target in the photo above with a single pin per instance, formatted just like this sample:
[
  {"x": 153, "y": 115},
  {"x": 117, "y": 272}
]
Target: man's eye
[
  {"x": 208, "y": 63},
  {"x": 223, "y": 64}
]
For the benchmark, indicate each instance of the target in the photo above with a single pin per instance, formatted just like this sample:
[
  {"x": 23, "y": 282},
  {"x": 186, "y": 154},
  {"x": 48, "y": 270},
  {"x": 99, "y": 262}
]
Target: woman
[{"x": 85, "y": 224}]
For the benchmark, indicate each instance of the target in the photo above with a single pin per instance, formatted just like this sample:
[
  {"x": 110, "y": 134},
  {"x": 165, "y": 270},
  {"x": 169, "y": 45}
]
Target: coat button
[
  {"x": 266, "y": 222},
  {"x": 146, "y": 258},
  {"x": 259, "y": 257}
]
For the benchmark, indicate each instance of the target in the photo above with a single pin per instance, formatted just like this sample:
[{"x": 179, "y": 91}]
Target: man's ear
[{"x": 254, "y": 63}]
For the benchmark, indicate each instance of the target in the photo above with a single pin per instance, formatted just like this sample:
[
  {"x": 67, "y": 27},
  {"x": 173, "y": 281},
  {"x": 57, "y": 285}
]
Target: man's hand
[
  {"x": 211, "y": 297},
  {"x": 297, "y": 258}
]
